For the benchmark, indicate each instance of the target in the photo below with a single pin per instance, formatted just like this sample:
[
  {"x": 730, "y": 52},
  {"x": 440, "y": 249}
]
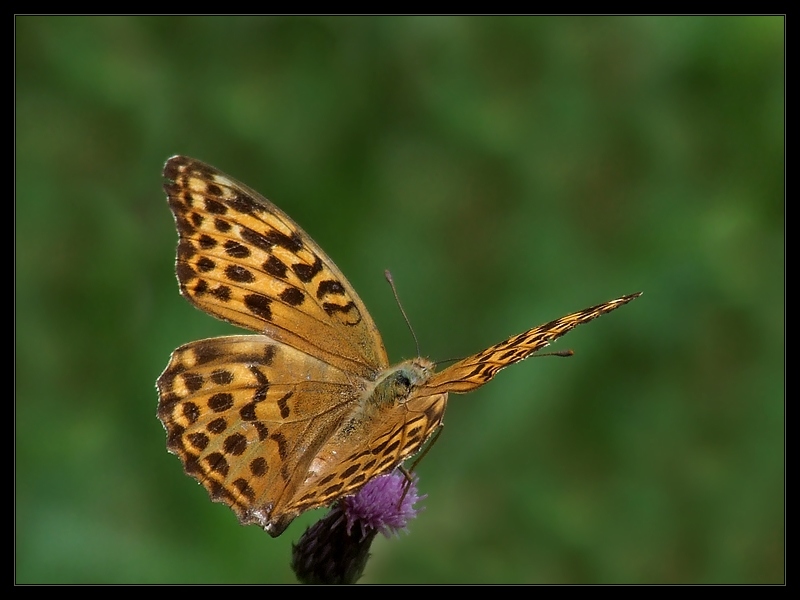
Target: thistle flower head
[
  {"x": 385, "y": 504},
  {"x": 336, "y": 548}
]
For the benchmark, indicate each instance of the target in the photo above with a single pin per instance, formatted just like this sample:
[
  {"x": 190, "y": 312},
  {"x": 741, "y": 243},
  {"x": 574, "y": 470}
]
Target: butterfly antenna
[{"x": 388, "y": 275}]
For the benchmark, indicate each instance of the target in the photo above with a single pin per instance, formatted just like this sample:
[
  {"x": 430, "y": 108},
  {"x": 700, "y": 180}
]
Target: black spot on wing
[
  {"x": 198, "y": 440},
  {"x": 327, "y": 479},
  {"x": 172, "y": 168},
  {"x": 207, "y": 351},
  {"x": 192, "y": 381},
  {"x": 215, "y": 207},
  {"x": 221, "y": 376},
  {"x": 220, "y": 402},
  {"x": 258, "y": 467},
  {"x": 269, "y": 355},
  {"x": 282, "y": 446},
  {"x": 292, "y": 296},
  {"x": 236, "y": 250},
  {"x": 221, "y": 293},
  {"x": 217, "y": 491},
  {"x": 258, "y": 304},
  {"x": 350, "y": 471},
  {"x": 307, "y": 272},
  {"x": 186, "y": 250},
  {"x": 205, "y": 264},
  {"x": 284, "y": 406},
  {"x": 175, "y": 436},
  {"x": 191, "y": 412},
  {"x": 248, "y": 412},
  {"x": 332, "y": 308},
  {"x": 217, "y": 463},
  {"x": 206, "y": 242},
  {"x": 379, "y": 448},
  {"x": 256, "y": 239},
  {"x": 244, "y": 489},
  {"x": 191, "y": 464},
  {"x": 262, "y": 430},
  {"x": 201, "y": 287},
  {"x": 239, "y": 274},
  {"x": 392, "y": 447},
  {"x": 235, "y": 444},
  {"x": 332, "y": 490},
  {"x": 244, "y": 204},
  {"x": 184, "y": 271},
  {"x": 260, "y": 393},
  {"x": 275, "y": 267},
  {"x": 330, "y": 286},
  {"x": 293, "y": 242},
  {"x": 217, "y": 426},
  {"x": 260, "y": 377}
]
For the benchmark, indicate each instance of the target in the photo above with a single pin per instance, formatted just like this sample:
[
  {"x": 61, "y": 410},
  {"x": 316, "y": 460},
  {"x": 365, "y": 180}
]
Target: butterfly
[{"x": 308, "y": 409}]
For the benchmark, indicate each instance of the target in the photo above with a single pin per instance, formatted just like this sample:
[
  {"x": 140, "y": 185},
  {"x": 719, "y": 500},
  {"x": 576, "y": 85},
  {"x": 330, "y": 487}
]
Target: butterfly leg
[
  {"x": 407, "y": 472},
  {"x": 428, "y": 446}
]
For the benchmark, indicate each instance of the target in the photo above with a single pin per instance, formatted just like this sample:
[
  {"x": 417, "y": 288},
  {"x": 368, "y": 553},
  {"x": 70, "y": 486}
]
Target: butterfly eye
[
  {"x": 392, "y": 389},
  {"x": 397, "y": 386},
  {"x": 403, "y": 380}
]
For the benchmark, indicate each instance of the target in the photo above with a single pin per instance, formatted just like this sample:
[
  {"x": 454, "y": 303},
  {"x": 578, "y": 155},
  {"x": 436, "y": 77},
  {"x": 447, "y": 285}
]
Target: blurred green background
[{"x": 508, "y": 171}]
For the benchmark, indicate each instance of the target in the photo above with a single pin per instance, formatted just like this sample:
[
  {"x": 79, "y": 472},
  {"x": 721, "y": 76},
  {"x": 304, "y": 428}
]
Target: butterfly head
[{"x": 395, "y": 385}]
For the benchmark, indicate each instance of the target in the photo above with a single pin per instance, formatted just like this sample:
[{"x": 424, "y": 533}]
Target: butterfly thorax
[{"x": 391, "y": 389}]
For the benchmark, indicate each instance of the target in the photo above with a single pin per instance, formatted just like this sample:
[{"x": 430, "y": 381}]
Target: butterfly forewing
[
  {"x": 240, "y": 258},
  {"x": 473, "y": 371}
]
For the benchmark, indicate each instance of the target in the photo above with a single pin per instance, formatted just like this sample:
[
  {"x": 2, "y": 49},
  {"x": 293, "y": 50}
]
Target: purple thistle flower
[
  {"x": 336, "y": 548},
  {"x": 385, "y": 504}
]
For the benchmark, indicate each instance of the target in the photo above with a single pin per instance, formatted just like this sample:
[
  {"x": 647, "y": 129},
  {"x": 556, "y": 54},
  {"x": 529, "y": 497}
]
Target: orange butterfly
[{"x": 307, "y": 410}]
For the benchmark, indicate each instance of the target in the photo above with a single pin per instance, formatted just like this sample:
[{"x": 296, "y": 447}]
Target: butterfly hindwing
[{"x": 247, "y": 415}]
